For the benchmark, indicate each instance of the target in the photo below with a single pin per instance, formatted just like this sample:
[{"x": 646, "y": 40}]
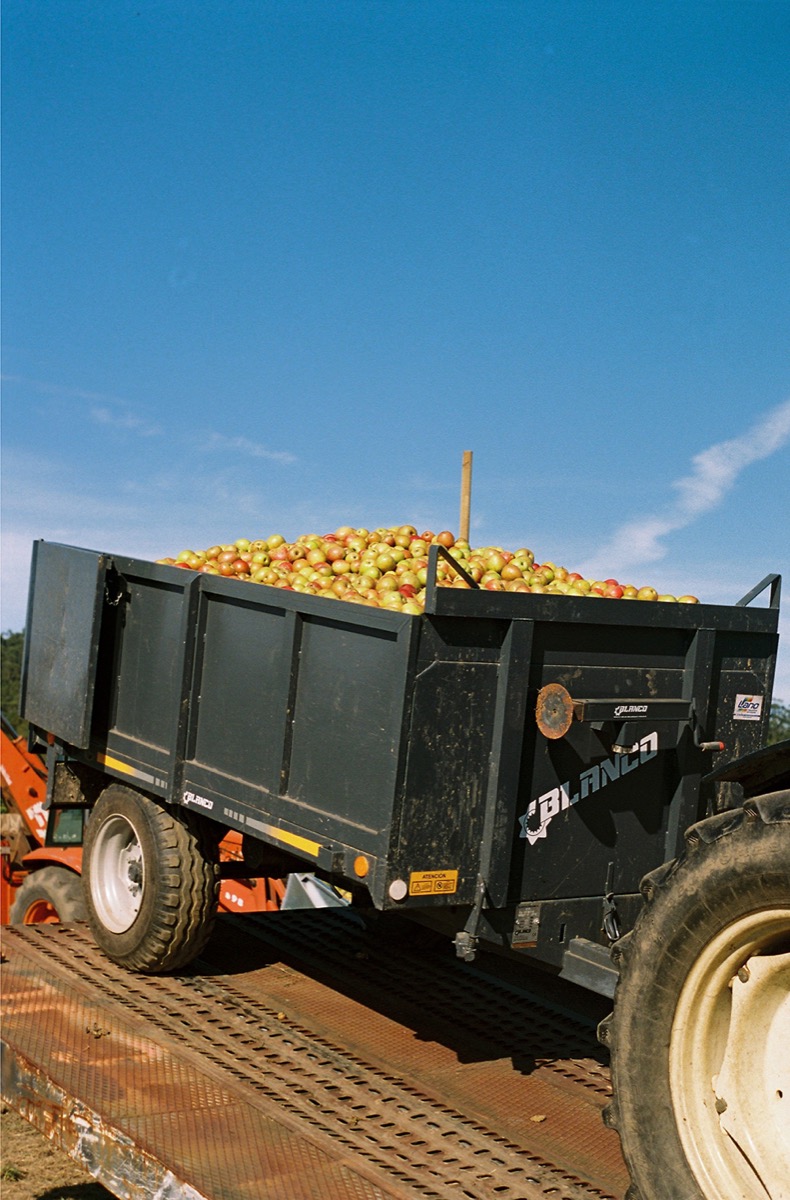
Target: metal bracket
[
  {"x": 590, "y": 966},
  {"x": 556, "y": 710},
  {"x": 435, "y": 552},
  {"x": 466, "y": 939},
  {"x": 772, "y": 581},
  {"x": 611, "y": 922}
]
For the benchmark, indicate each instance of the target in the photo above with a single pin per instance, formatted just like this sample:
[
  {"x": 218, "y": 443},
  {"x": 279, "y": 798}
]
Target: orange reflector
[{"x": 361, "y": 866}]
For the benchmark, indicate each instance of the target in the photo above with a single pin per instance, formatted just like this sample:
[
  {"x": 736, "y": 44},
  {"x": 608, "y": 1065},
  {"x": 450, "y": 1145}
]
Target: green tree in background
[
  {"x": 779, "y": 723},
  {"x": 10, "y": 672}
]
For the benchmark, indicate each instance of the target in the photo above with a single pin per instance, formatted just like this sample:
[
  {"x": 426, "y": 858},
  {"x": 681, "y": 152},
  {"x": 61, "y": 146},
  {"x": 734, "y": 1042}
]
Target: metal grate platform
[{"x": 303, "y": 1057}]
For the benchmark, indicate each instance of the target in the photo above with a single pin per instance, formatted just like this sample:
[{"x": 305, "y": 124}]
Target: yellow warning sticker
[{"x": 432, "y": 883}]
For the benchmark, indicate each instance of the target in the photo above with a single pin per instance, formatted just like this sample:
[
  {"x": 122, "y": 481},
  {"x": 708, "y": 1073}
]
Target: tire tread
[
  {"x": 59, "y": 886},
  {"x": 187, "y": 887},
  {"x": 716, "y": 848}
]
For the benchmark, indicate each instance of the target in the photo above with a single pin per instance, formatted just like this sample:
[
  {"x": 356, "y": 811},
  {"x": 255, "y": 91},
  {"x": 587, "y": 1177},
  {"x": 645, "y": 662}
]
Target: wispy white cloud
[
  {"x": 104, "y": 408},
  {"x": 242, "y": 445},
  {"x": 59, "y": 390},
  {"x": 114, "y": 413},
  {"x": 714, "y": 473},
  {"x": 126, "y": 422},
  {"x": 716, "y": 469}
]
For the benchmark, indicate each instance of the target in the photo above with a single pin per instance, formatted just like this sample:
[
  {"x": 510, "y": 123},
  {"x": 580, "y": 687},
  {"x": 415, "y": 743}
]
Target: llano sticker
[
  {"x": 433, "y": 883},
  {"x": 748, "y": 708}
]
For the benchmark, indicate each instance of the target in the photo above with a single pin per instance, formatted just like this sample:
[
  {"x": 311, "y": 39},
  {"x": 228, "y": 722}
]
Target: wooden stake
[{"x": 466, "y": 495}]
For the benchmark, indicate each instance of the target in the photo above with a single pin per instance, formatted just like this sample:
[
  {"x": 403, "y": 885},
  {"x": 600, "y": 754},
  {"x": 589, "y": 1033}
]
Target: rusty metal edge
[{"x": 107, "y": 1154}]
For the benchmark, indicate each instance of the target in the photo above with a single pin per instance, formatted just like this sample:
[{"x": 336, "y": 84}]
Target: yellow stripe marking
[
  {"x": 116, "y": 764},
  {"x": 293, "y": 839}
]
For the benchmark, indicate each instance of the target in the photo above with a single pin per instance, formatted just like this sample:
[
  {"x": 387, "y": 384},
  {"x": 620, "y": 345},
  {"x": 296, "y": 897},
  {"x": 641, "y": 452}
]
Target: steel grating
[
  {"x": 143, "y": 1118},
  {"x": 298, "y": 1060},
  {"x": 508, "y": 1054}
]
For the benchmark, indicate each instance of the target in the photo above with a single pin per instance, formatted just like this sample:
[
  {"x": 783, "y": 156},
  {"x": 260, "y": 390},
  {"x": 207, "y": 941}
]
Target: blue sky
[{"x": 272, "y": 267}]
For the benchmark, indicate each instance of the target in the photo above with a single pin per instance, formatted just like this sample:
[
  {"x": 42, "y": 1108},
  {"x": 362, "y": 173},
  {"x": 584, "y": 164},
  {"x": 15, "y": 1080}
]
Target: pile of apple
[{"x": 388, "y": 568}]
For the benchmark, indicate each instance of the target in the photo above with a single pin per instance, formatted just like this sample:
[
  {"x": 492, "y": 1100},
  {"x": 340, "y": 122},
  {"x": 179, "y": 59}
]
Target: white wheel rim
[
  {"x": 729, "y": 1061},
  {"x": 117, "y": 874}
]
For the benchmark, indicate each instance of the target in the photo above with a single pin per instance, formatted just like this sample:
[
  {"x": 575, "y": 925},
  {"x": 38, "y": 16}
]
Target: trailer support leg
[{"x": 467, "y": 938}]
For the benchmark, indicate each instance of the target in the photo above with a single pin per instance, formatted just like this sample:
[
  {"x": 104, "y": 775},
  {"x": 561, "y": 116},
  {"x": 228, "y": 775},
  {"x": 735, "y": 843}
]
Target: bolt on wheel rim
[
  {"x": 117, "y": 874},
  {"x": 728, "y": 1061}
]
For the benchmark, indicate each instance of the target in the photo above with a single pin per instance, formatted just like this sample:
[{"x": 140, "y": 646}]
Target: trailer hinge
[
  {"x": 114, "y": 590},
  {"x": 466, "y": 939}
]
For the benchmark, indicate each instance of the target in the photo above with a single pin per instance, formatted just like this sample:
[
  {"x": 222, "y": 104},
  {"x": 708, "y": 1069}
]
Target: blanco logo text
[
  {"x": 536, "y": 820},
  {"x": 201, "y": 801}
]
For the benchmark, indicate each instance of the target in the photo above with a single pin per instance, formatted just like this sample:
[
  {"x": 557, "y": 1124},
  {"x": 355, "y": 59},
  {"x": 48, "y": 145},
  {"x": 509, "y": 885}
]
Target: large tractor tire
[
  {"x": 49, "y": 896},
  {"x": 152, "y": 881},
  {"x": 700, "y": 1032}
]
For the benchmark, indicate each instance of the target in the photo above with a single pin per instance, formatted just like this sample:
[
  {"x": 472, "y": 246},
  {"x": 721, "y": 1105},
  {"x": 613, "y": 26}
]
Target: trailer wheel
[
  {"x": 49, "y": 896},
  {"x": 701, "y": 1020},
  {"x": 152, "y": 881}
]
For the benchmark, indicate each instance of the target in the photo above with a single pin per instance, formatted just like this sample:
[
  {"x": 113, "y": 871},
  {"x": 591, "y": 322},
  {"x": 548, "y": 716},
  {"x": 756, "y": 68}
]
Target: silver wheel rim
[
  {"x": 729, "y": 1066},
  {"x": 117, "y": 874}
]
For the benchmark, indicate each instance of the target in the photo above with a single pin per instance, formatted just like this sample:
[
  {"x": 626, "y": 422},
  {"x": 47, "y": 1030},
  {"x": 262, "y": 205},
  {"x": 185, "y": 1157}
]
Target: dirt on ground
[{"x": 31, "y": 1168}]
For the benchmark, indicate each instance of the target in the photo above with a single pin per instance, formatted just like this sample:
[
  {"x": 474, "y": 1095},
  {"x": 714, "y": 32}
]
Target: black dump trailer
[{"x": 544, "y": 775}]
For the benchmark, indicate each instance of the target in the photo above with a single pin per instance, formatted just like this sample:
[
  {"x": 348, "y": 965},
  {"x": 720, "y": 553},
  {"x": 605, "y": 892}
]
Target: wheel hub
[
  {"x": 133, "y": 868},
  {"x": 117, "y": 874}
]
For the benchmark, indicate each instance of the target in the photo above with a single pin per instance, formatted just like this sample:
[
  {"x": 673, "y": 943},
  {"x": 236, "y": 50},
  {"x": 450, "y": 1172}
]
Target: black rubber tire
[
  {"x": 49, "y": 895},
  {"x": 177, "y": 883},
  {"x": 735, "y": 868}
]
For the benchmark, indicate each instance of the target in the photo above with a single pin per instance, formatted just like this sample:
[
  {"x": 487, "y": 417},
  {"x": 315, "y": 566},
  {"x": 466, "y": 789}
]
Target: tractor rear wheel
[
  {"x": 701, "y": 1020},
  {"x": 49, "y": 896}
]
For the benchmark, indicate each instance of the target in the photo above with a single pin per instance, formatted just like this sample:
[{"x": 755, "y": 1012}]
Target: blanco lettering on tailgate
[{"x": 543, "y": 809}]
